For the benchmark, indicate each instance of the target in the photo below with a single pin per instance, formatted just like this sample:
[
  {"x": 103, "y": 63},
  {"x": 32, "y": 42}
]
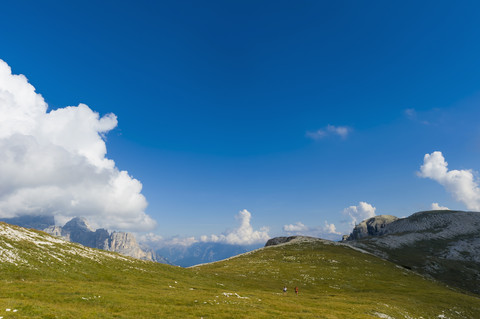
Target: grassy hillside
[
  {"x": 42, "y": 277},
  {"x": 442, "y": 244}
]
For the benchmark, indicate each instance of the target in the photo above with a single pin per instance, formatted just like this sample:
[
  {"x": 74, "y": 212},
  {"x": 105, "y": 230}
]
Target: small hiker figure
[
  {"x": 296, "y": 290},
  {"x": 284, "y": 290}
]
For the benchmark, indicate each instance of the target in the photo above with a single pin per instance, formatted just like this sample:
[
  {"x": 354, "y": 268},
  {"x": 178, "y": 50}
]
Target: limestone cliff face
[
  {"x": 442, "y": 244},
  {"x": 126, "y": 244},
  {"x": 375, "y": 226},
  {"x": 77, "y": 230},
  {"x": 55, "y": 231}
]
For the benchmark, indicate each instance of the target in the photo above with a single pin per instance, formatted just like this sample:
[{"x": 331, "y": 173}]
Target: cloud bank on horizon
[
  {"x": 243, "y": 235},
  {"x": 355, "y": 214},
  {"x": 54, "y": 162},
  {"x": 460, "y": 183}
]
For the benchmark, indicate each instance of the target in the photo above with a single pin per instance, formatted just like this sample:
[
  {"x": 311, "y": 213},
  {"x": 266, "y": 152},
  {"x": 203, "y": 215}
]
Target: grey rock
[
  {"x": 296, "y": 239},
  {"x": 54, "y": 231},
  {"x": 77, "y": 230},
  {"x": 126, "y": 244},
  {"x": 444, "y": 245},
  {"x": 78, "y": 224},
  {"x": 279, "y": 240},
  {"x": 374, "y": 226}
]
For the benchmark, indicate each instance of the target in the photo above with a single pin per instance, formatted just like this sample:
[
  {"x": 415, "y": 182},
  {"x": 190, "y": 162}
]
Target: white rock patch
[{"x": 382, "y": 315}]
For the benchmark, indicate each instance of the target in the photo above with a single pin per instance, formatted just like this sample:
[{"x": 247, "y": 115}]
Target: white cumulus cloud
[
  {"x": 436, "y": 206},
  {"x": 294, "y": 228},
  {"x": 460, "y": 183},
  {"x": 54, "y": 163},
  {"x": 331, "y": 228},
  {"x": 357, "y": 214},
  {"x": 242, "y": 235},
  {"x": 155, "y": 241},
  {"x": 341, "y": 131}
]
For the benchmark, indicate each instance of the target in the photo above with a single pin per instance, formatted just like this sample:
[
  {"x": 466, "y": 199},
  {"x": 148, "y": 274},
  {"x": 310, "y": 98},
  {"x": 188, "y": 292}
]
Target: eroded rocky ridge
[
  {"x": 279, "y": 240},
  {"x": 77, "y": 230},
  {"x": 442, "y": 244},
  {"x": 374, "y": 226}
]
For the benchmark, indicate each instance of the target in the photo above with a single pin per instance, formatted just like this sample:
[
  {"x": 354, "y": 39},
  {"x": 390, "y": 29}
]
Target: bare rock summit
[{"x": 375, "y": 226}]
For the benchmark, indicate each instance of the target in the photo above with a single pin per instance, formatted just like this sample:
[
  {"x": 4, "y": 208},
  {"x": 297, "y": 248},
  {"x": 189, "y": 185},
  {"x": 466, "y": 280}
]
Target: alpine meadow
[
  {"x": 45, "y": 277},
  {"x": 240, "y": 159}
]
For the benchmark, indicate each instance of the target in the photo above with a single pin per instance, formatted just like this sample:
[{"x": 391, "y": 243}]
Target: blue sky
[{"x": 226, "y": 106}]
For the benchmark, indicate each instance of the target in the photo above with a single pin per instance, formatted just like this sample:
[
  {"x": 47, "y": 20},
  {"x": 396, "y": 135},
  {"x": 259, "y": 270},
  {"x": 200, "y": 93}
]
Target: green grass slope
[
  {"x": 444, "y": 245},
  {"x": 43, "y": 277}
]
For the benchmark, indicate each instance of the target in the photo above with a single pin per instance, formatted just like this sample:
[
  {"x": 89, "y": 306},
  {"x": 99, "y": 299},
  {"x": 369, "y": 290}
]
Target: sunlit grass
[{"x": 334, "y": 282}]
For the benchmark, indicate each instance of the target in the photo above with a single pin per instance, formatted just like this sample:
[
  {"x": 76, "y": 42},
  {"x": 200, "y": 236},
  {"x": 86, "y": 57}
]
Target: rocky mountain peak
[
  {"x": 374, "y": 226},
  {"x": 79, "y": 231},
  {"x": 78, "y": 224},
  {"x": 443, "y": 244},
  {"x": 126, "y": 244}
]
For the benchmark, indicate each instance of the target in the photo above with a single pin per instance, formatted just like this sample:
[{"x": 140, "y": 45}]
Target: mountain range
[
  {"x": 202, "y": 252},
  {"x": 78, "y": 230},
  {"x": 444, "y": 245}
]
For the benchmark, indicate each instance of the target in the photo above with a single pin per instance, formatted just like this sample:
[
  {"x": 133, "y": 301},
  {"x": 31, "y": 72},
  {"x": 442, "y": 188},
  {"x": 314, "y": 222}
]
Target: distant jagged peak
[
  {"x": 78, "y": 230},
  {"x": 25, "y": 247},
  {"x": 78, "y": 223}
]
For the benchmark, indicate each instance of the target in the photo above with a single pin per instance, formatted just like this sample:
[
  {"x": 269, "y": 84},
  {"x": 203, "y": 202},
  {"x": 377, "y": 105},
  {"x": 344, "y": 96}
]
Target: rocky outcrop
[
  {"x": 279, "y": 240},
  {"x": 77, "y": 230},
  {"x": 294, "y": 239},
  {"x": 55, "y": 231},
  {"x": 442, "y": 244},
  {"x": 126, "y": 244},
  {"x": 374, "y": 226},
  {"x": 201, "y": 253}
]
